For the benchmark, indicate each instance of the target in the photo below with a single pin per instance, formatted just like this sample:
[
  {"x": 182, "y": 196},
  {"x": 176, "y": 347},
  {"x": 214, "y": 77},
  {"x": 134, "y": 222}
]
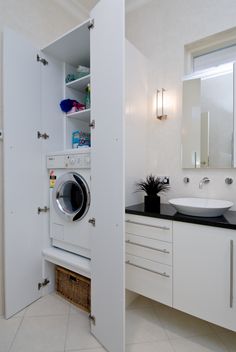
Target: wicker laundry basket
[{"x": 74, "y": 287}]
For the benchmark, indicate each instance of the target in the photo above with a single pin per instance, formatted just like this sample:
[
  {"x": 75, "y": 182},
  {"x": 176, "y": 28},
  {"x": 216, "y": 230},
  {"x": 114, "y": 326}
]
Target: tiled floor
[
  {"x": 153, "y": 327},
  {"x": 53, "y": 325}
]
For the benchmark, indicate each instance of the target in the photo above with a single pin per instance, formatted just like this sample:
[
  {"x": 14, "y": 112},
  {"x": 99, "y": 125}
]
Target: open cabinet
[{"x": 34, "y": 85}]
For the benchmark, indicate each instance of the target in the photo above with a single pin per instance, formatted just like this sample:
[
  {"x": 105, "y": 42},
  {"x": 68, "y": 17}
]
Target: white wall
[
  {"x": 41, "y": 22},
  {"x": 160, "y": 30},
  {"x": 136, "y": 122}
]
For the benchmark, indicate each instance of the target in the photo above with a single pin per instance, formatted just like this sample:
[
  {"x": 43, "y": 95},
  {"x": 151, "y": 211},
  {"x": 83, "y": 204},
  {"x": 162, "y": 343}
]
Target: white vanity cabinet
[
  {"x": 204, "y": 278},
  {"x": 149, "y": 257},
  {"x": 186, "y": 266}
]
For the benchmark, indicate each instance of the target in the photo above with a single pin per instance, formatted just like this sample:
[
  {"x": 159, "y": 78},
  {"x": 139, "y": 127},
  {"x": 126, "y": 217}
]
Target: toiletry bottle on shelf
[{"x": 87, "y": 97}]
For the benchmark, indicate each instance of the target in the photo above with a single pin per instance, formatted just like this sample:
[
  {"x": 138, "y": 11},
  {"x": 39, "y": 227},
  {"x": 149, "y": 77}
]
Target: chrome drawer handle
[
  {"x": 152, "y": 271},
  {"x": 148, "y": 247},
  {"x": 141, "y": 223},
  {"x": 231, "y": 295}
]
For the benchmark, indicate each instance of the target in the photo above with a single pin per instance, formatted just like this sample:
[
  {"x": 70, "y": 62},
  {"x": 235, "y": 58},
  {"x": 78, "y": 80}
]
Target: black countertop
[{"x": 228, "y": 220}]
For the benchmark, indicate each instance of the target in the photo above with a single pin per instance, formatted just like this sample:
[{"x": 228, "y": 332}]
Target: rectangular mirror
[{"x": 208, "y": 119}]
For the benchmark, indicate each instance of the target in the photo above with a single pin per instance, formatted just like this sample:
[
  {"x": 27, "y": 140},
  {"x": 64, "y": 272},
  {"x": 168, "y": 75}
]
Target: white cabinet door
[
  {"x": 204, "y": 281},
  {"x": 107, "y": 92},
  {"x": 22, "y": 173}
]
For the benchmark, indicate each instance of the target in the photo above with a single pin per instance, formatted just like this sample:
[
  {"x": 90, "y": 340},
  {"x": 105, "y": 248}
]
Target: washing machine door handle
[{"x": 60, "y": 195}]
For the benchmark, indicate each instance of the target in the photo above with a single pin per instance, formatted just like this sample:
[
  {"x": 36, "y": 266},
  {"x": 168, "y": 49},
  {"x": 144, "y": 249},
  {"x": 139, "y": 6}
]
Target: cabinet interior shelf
[
  {"x": 79, "y": 84},
  {"x": 65, "y": 48},
  {"x": 68, "y": 260},
  {"x": 83, "y": 115}
]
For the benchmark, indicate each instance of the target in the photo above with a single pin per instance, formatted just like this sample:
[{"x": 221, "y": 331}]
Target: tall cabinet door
[
  {"x": 22, "y": 173},
  {"x": 107, "y": 101}
]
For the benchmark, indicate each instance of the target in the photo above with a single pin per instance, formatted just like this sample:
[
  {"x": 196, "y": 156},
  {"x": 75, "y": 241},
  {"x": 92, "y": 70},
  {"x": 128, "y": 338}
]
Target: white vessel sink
[{"x": 201, "y": 206}]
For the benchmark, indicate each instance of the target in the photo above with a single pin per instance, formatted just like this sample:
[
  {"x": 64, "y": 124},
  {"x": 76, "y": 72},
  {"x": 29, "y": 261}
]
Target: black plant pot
[{"x": 152, "y": 204}]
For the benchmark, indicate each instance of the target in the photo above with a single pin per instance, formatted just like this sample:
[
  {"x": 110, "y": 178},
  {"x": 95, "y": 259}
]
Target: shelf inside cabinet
[
  {"x": 82, "y": 115},
  {"x": 66, "y": 47},
  {"x": 74, "y": 262},
  {"x": 79, "y": 84}
]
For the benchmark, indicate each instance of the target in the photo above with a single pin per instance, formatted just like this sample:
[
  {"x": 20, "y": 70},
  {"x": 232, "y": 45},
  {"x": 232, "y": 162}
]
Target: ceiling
[
  {"x": 131, "y": 5},
  {"x": 85, "y": 6}
]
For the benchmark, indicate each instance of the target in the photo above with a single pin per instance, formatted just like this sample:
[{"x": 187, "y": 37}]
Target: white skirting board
[{"x": 68, "y": 260}]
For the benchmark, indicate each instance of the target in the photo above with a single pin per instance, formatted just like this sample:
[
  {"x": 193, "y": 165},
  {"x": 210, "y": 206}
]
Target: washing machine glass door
[{"x": 71, "y": 196}]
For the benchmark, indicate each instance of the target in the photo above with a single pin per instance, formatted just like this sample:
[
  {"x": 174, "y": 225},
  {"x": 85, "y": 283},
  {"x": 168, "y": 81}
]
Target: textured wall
[
  {"x": 160, "y": 30},
  {"x": 41, "y": 22}
]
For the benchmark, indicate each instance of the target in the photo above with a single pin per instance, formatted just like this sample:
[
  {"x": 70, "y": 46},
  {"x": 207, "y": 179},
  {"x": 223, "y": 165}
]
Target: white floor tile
[
  {"x": 37, "y": 334},
  {"x": 143, "y": 326},
  {"x": 8, "y": 329},
  {"x": 178, "y": 324},
  {"x": 210, "y": 343},
  {"x": 52, "y": 324},
  {"x": 78, "y": 333},
  {"x": 21, "y": 314},
  {"x": 220, "y": 330},
  {"x": 48, "y": 305},
  {"x": 162, "y": 346},
  {"x": 141, "y": 302},
  {"x": 76, "y": 310},
  {"x": 229, "y": 340}
]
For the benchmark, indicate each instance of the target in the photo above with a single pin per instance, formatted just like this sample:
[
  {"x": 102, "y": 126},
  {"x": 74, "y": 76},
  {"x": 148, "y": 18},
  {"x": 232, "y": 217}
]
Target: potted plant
[{"x": 152, "y": 186}]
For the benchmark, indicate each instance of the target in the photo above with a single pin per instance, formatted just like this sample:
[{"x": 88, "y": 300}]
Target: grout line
[
  {"x": 87, "y": 349},
  {"x": 45, "y": 315},
  {"x": 174, "y": 350},
  {"x": 17, "y": 330},
  {"x": 223, "y": 343},
  {"x": 67, "y": 327}
]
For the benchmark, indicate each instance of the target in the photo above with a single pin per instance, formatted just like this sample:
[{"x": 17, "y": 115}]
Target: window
[
  {"x": 214, "y": 58},
  {"x": 212, "y": 51}
]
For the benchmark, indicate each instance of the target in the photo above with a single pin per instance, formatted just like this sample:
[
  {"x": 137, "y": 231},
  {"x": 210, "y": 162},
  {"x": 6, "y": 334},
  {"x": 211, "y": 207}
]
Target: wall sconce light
[{"x": 160, "y": 105}]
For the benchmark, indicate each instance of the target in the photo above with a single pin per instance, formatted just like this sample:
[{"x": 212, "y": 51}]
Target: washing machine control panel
[
  {"x": 69, "y": 161},
  {"x": 77, "y": 161}
]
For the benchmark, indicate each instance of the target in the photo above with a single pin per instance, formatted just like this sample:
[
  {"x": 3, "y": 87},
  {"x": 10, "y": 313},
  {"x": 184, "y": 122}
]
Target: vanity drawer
[
  {"x": 150, "y": 279},
  {"x": 148, "y": 248},
  {"x": 158, "y": 229}
]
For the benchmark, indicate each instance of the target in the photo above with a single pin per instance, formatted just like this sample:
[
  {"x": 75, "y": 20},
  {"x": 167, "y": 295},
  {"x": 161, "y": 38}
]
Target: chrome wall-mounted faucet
[
  {"x": 203, "y": 181},
  {"x": 229, "y": 180}
]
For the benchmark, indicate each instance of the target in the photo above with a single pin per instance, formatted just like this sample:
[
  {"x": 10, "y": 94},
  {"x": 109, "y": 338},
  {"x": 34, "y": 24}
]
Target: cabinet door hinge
[
  {"x": 43, "y": 210},
  {"x": 43, "y": 284},
  {"x": 91, "y": 24},
  {"x": 42, "y": 135},
  {"x": 92, "y": 319},
  {"x": 92, "y": 124},
  {"x": 92, "y": 221},
  {"x": 42, "y": 60}
]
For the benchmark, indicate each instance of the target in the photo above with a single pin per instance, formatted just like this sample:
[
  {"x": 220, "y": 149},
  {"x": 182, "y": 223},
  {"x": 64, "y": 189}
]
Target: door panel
[
  {"x": 202, "y": 273},
  {"x": 107, "y": 196},
  {"x": 22, "y": 173}
]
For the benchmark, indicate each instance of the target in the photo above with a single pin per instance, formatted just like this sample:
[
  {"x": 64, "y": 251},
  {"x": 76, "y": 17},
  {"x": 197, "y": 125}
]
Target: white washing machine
[{"x": 70, "y": 198}]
